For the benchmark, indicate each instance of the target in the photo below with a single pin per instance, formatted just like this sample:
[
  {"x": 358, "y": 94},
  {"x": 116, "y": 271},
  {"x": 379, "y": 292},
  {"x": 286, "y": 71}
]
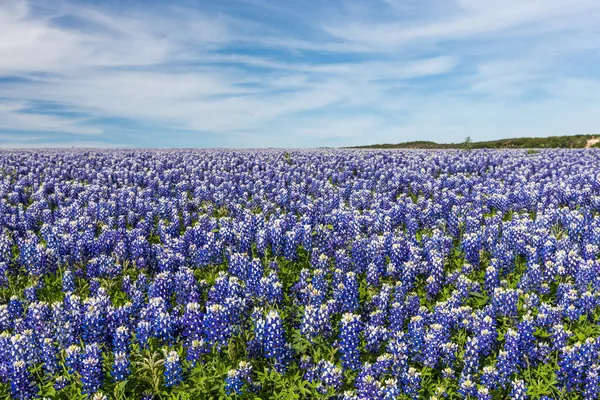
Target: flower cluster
[{"x": 403, "y": 274}]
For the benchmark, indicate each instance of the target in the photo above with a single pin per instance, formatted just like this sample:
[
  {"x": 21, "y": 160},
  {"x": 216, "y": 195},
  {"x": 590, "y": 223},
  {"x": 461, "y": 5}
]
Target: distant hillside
[{"x": 564, "y": 142}]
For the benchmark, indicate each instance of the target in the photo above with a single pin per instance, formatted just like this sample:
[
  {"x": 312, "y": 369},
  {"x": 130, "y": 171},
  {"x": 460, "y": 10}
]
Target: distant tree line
[{"x": 561, "y": 142}]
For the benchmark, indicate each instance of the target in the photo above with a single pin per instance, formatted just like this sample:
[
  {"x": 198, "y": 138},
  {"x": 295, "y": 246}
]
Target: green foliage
[
  {"x": 468, "y": 143},
  {"x": 562, "y": 142}
]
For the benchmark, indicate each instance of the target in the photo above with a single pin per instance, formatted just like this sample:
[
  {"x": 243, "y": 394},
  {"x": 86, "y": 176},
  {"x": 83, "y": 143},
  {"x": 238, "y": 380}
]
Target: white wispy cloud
[
  {"x": 15, "y": 116},
  {"x": 473, "y": 18},
  {"x": 259, "y": 72}
]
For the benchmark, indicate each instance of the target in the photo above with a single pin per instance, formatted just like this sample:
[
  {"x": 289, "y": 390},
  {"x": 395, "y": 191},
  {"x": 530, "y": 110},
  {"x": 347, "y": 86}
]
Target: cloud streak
[{"x": 256, "y": 73}]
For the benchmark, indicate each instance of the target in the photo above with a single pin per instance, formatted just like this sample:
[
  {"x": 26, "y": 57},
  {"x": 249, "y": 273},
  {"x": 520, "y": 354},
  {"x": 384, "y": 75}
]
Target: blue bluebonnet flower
[
  {"x": 142, "y": 333},
  {"x": 5, "y": 354},
  {"x": 173, "y": 369},
  {"x": 397, "y": 316},
  {"x": 398, "y": 348},
  {"x": 471, "y": 245},
  {"x": 391, "y": 390},
  {"x": 15, "y": 307},
  {"x": 540, "y": 353},
  {"x": 225, "y": 287},
  {"x": 126, "y": 285},
  {"x": 518, "y": 390},
  {"x": 162, "y": 327},
  {"x": 271, "y": 289},
  {"x": 60, "y": 383},
  {"x": 487, "y": 335},
  {"x": 377, "y": 317},
  {"x": 330, "y": 376},
  {"x": 349, "y": 395},
  {"x": 416, "y": 335},
  {"x": 314, "y": 296},
  {"x": 483, "y": 393},
  {"x": 244, "y": 373},
  {"x": 346, "y": 293},
  {"x": 22, "y": 385},
  {"x": 591, "y": 386},
  {"x": 374, "y": 336},
  {"x": 571, "y": 367},
  {"x": 120, "y": 316},
  {"x": 195, "y": 350},
  {"x": 374, "y": 273},
  {"x": 121, "y": 339},
  {"x": 411, "y": 381},
  {"x": 491, "y": 279},
  {"x": 384, "y": 365},
  {"x": 24, "y": 347},
  {"x": 471, "y": 357},
  {"x": 91, "y": 369},
  {"x": 186, "y": 287},
  {"x": 216, "y": 325},
  {"x": 238, "y": 265},
  {"x": 587, "y": 302},
  {"x": 191, "y": 322},
  {"x": 489, "y": 377},
  {"x": 300, "y": 287},
  {"x": 505, "y": 301},
  {"x": 559, "y": 336},
  {"x": 526, "y": 329},
  {"x": 367, "y": 387},
  {"x": 33, "y": 256},
  {"x": 49, "y": 356},
  {"x": 448, "y": 373},
  {"x": 466, "y": 386},
  {"x": 6, "y": 322},
  {"x": 94, "y": 287},
  {"x": 254, "y": 274},
  {"x": 435, "y": 337},
  {"x": 317, "y": 320},
  {"x": 273, "y": 341},
  {"x": 233, "y": 382},
  {"x": 509, "y": 357},
  {"x": 94, "y": 324},
  {"x": 349, "y": 340},
  {"x": 308, "y": 366},
  {"x": 121, "y": 368},
  {"x": 68, "y": 282},
  {"x": 162, "y": 286},
  {"x": 435, "y": 280},
  {"x": 73, "y": 358},
  {"x": 101, "y": 266},
  {"x": 37, "y": 317}
]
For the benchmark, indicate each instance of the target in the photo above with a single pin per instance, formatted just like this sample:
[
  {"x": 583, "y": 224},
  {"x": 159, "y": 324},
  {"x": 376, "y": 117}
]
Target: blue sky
[{"x": 295, "y": 73}]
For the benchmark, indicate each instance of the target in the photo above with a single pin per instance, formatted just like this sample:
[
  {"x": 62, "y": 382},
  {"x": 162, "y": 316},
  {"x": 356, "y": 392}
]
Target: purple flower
[
  {"x": 49, "y": 356},
  {"x": 121, "y": 368},
  {"x": 233, "y": 382},
  {"x": 274, "y": 342},
  {"x": 22, "y": 385},
  {"x": 91, "y": 369},
  {"x": 173, "y": 369},
  {"x": 349, "y": 340},
  {"x": 518, "y": 390},
  {"x": 216, "y": 326}
]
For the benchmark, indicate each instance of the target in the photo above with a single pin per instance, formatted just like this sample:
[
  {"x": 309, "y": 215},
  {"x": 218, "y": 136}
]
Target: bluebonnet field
[{"x": 308, "y": 274}]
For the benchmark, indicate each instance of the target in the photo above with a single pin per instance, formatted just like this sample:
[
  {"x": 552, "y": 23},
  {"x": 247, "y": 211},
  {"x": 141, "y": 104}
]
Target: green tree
[{"x": 468, "y": 143}]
